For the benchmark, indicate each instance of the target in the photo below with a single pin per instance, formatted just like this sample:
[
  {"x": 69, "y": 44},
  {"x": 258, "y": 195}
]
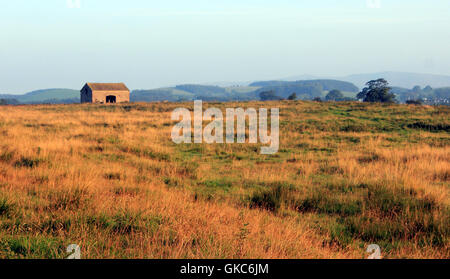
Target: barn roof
[{"x": 108, "y": 86}]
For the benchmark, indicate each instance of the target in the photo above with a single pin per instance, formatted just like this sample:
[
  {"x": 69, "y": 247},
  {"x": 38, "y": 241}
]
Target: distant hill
[
  {"x": 53, "y": 96},
  {"x": 190, "y": 92},
  {"x": 204, "y": 91},
  {"x": 326, "y": 84},
  {"x": 7, "y": 96},
  {"x": 304, "y": 89},
  {"x": 303, "y": 92},
  {"x": 400, "y": 79},
  {"x": 163, "y": 94},
  {"x": 397, "y": 79}
]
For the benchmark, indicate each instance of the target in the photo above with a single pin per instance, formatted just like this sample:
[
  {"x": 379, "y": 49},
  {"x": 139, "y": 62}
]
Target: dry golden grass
[{"x": 109, "y": 179}]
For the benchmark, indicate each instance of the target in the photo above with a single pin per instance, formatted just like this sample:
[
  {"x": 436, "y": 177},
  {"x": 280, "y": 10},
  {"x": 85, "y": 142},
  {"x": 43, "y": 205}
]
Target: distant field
[{"x": 109, "y": 179}]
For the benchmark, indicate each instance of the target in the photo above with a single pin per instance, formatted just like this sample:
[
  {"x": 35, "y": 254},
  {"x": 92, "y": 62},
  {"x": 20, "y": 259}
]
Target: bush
[
  {"x": 334, "y": 95},
  {"x": 269, "y": 96},
  {"x": 292, "y": 97},
  {"x": 414, "y": 102}
]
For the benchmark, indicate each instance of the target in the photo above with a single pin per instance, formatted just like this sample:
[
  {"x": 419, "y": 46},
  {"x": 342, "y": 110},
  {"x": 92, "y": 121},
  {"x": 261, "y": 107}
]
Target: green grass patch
[{"x": 27, "y": 247}]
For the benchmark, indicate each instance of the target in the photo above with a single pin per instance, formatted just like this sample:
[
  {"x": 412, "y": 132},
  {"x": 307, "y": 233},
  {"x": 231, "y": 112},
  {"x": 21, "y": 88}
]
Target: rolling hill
[
  {"x": 396, "y": 79},
  {"x": 305, "y": 90},
  {"x": 54, "y": 96},
  {"x": 325, "y": 84},
  {"x": 189, "y": 92},
  {"x": 400, "y": 79}
]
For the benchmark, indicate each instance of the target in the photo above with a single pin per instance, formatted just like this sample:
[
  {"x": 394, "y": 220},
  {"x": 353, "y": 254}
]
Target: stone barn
[{"x": 105, "y": 93}]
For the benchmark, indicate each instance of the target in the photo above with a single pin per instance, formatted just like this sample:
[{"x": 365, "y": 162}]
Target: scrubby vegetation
[{"x": 109, "y": 179}]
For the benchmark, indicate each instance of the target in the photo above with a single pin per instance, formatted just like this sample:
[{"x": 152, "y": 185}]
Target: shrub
[
  {"x": 414, "y": 102},
  {"x": 292, "y": 97},
  {"x": 334, "y": 95},
  {"x": 317, "y": 99}
]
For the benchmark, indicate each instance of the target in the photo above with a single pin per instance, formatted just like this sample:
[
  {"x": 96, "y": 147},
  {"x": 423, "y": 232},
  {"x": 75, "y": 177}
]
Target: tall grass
[{"x": 109, "y": 179}]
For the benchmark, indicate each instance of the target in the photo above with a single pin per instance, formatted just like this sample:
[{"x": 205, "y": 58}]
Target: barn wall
[{"x": 100, "y": 96}]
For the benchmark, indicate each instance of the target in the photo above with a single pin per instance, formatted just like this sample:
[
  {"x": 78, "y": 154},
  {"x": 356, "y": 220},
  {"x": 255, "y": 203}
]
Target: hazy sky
[{"x": 147, "y": 44}]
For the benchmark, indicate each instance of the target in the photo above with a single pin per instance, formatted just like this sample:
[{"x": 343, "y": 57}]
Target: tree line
[{"x": 376, "y": 91}]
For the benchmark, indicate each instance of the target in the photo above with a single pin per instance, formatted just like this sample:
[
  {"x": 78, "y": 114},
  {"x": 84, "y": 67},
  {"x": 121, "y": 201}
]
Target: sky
[{"x": 149, "y": 44}]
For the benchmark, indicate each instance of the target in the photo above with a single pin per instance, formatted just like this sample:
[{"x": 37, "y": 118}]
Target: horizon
[
  {"x": 148, "y": 45},
  {"x": 231, "y": 83}
]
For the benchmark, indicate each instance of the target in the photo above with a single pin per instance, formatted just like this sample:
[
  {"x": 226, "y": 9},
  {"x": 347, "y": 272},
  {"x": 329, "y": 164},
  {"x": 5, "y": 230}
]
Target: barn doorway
[{"x": 111, "y": 99}]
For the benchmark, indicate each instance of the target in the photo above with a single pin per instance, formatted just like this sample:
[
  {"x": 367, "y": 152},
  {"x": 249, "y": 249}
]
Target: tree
[
  {"x": 292, "y": 97},
  {"x": 377, "y": 91},
  {"x": 269, "y": 96},
  {"x": 334, "y": 95},
  {"x": 317, "y": 99},
  {"x": 428, "y": 89},
  {"x": 417, "y": 89}
]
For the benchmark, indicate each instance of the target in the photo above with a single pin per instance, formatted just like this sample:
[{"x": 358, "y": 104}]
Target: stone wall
[{"x": 100, "y": 96}]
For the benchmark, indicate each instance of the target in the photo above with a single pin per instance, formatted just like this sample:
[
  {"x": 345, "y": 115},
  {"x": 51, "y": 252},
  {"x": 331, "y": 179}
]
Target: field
[{"x": 109, "y": 179}]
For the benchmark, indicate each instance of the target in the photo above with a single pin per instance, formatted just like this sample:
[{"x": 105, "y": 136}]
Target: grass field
[{"x": 109, "y": 179}]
